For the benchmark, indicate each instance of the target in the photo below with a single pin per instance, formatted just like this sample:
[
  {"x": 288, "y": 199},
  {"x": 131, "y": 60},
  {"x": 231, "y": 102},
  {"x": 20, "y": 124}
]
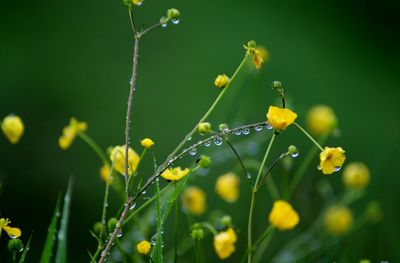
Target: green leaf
[
  {"x": 22, "y": 258},
  {"x": 158, "y": 246},
  {"x": 51, "y": 232},
  {"x": 61, "y": 254}
]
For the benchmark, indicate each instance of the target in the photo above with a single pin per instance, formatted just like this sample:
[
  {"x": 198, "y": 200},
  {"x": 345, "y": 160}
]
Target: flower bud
[
  {"x": 15, "y": 245},
  {"x": 144, "y": 247},
  {"x": 374, "y": 211},
  {"x": 147, "y": 143},
  {"x": 173, "y": 13},
  {"x": 252, "y": 44},
  {"x": 97, "y": 228},
  {"x": 197, "y": 234},
  {"x": 112, "y": 223},
  {"x": 221, "y": 81},
  {"x": 13, "y": 128},
  {"x": 292, "y": 150},
  {"x": 205, "y": 162},
  {"x": 223, "y": 127},
  {"x": 276, "y": 85},
  {"x": 204, "y": 127},
  {"x": 226, "y": 221}
]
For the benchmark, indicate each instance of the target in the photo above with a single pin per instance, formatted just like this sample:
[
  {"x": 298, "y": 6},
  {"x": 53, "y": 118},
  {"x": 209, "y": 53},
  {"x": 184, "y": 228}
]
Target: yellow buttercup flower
[
  {"x": 283, "y": 216},
  {"x": 117, "y": 156},
  {"x": 70, "y": 132},
  {"x": 194, "y": 200},
  {"x": 280, "y": 118},
  {"x": 12, "y": 232},
  {"x": 356, "y": 175},
  {"x": 227, "y": 187},
  {"x": 105, "y": 174},
  {"x": 321, "y": 120},
  {"x": 174, "y": 174},
  {"x": 13, "y": 128},
  {"x": 258, "y": 53},
  {"x": 338, "y": 219},
  {"x": 147, "y": 143},
  {"x": 224, "y": 243},
  {"x": 331, "y": 159},
  {"x": 221, "y": 81},
  {"x": 143, "y": 247}
]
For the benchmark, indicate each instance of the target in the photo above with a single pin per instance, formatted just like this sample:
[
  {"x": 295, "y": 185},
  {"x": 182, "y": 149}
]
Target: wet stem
[{"x": 253, "y": 197}]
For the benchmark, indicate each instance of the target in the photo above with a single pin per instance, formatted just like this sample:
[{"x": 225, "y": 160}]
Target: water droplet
[
  {"x": 258, "y": 128},
  {"x": 246, "y": 131},
  {"x": 238, "y": 132},
  {"x": 139, "y": 3},
  {"x": 132, "y": 206},
  {"x": 119, "y": 234},
  {"x": 294, "y": 155},
  {"x": 248, "y": 175},
  {"x": 207, "y": 143},
  {"x": 319, "y": 167},
  {"x": 164, "y": 25},
  {"x": 175, "y": 21},
  {"x": 268, "y": 125},
  {"x": 193, "y": 151},
  {"x": 337, "y": 168},
  {"x": 218, "y": 141},
  {"x": 189, "y": 138},
  {"x": 153, "y": 243},
  {"x": 144, "y": 192}
]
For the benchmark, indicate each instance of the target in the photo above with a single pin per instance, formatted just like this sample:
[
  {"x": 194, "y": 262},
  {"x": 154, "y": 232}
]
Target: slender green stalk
[
  {"x": 308, "y": 135},
  {"x": 176, "y": 231},
  {"x": 209, "y": 227},
  {"x": 94, "y": 146},
  {"x": 262, "y": 243},
  {"x": 253, "y": 195}
]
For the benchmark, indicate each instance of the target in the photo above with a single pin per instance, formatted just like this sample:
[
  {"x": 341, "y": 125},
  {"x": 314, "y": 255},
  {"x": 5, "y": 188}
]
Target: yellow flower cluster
[
  {"x": 194, "y": 200},
  {"x": 174, "y": 174},
  {"x": 259, "y": 54},
  {"x": 280, "y": 118},
  {"x": 283, "y": 216},
  {"x": 143, "y": 247},
  {"x": 12, "y": 232},
  {"x": 13, "y": 128},
  {"x": 331, "y": 159},
  {"x": 338, "y": 219},
  {"x": 227, "y": 187},
  {"x": 117, "y": 156},
  {"x": 70, "y": 132},
  {"x": 321, "y": 120},
  {"x": 356, "y": 176},
  {"x": 224, "y": 243}
]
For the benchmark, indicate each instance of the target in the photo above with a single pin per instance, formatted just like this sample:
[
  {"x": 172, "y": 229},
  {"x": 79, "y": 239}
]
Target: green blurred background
[{"x": 65, "y": 58}]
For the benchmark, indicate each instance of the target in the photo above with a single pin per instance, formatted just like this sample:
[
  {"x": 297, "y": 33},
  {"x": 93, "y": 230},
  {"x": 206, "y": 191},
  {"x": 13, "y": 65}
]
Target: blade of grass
[
  {"x": 51, "y": 232},
  {"x": 26, "y": 249},
  {"x": 61, "y": 254}
]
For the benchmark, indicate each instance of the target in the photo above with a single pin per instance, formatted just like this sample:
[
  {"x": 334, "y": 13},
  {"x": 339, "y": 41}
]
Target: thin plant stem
[
  {"x": 150, "y": 28},
  {"x": 176, "y": 231},
  {"x": 308, "y": 135},
  {"x": 94, "y": 146},
  {"x": 252, "y": 203}
]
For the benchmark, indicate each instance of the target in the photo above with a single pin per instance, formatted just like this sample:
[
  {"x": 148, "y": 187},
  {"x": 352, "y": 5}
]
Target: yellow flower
[
  {"x": 227, "y": 187},
  {"x": 174, "y": 174},
  {"x": 331, "y": 159},
  {"x": 280, "y": 118},
  {"x": 224, "y": 243},
  {"x": 13, "y": 128},
  {"x": 105, "y": 174},
  {"x": 321, "y": 120},
  {"x": 338, "y": 220},
  {"x": 143, "y": 247},
  {"x": 147, "y": 143},
  {"x": 12, "y": 232},
  {"x": 283, "y": 216},
  {"x": 259, "y": 54},
  {"x": 117, "y": 156},
  {"x": 194, "y": 200},
  {"x": 70, "y": 132},
  {"x": 356, "y": 175},
  {"x": 221, "y": 81},
  {"x": 204, "y": 127}
]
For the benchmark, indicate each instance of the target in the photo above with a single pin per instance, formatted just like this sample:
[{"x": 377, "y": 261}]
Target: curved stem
[
  {"x": 252, "y": 203},
  {"x": 94, "y": 146},
  {"x": 308, "y": 135}
]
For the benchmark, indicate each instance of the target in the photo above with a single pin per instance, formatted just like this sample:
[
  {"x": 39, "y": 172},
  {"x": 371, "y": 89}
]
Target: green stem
[
  {"x": 210, "y": 227},
  {"x": 176, "y": 231},
  {"x": 253, "y": 195},
  {"x": 308, "y": 135},
  {"x": 14, "y": 257},
  {"x": 94, "y": 146},
  {"x": 262, "y": 244}
]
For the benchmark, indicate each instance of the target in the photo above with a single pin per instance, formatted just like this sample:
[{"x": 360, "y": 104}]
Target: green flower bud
[
  {"x": 223, "y": 127},
  {"x": 173, "y": 13},
  {"x": 15, "y": 245},
  {"x": 97, "y": 228},
  {"x": 205, "y": 161},
  {"x": 112, "y": 222},
  {"x": 292, "y": 150},
  {"x": 128, "y": 2},
  {"x": 276, "y": 85},
  {"x": 226, "y": 221},
  {"x": 252, "y": 44},
  {"x": 197, "y": 234},
  {"x": 204, "y": 127}
]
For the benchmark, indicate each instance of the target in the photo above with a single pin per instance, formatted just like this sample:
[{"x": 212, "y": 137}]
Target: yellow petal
[{"x": 13, "y": 232}]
